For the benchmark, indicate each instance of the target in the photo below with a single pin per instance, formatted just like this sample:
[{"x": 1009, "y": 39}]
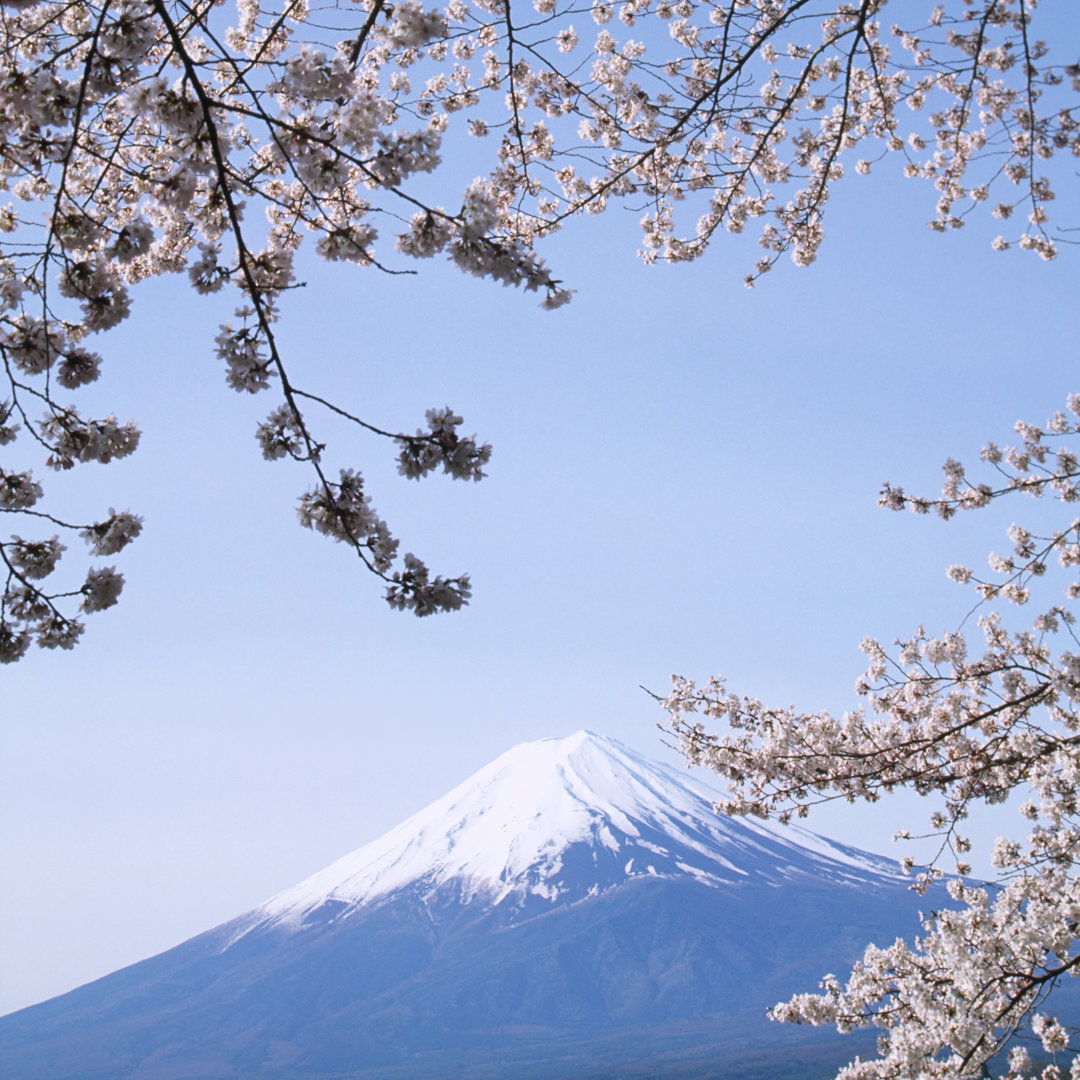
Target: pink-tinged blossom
[
  {"x": 58, "y": 632},
  {"x": 102, "y": 589},
  {"x": 114, "y": 534},
  {"x": 34, "y": 559},
  {"x": 13, "y": 643},
  {"x": 18, "y": 491}
]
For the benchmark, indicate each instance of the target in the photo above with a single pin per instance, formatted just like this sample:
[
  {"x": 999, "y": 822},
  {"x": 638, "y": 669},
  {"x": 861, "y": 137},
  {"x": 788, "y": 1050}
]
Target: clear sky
[{"x": 684, "y": 480}]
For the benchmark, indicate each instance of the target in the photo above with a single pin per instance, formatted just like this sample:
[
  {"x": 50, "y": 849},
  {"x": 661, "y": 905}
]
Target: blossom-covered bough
[
  {"x": 967, "y": 718},
  {"x": 147, "y": 137}
]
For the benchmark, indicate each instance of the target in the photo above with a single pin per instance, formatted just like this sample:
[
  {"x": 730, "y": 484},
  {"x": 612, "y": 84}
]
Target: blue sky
[{"x": 684, "y": 480}]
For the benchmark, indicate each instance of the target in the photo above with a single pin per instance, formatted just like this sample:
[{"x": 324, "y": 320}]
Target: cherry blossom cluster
[
  {"x": 964, "y": 719},
  {"x": 149, "y": 137},
  {"x": 33, "y": 612},
  {"x": 942, "y": 1004},
  {"x": 441, "y": 445},
  {"x": 414, "y": 590},
  {"x": 343, "y": 512}
]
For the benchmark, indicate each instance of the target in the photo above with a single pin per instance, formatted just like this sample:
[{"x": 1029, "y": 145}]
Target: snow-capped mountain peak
[
  {"x": 563, "y": 819},
  {"x": 571, "y": 910}
]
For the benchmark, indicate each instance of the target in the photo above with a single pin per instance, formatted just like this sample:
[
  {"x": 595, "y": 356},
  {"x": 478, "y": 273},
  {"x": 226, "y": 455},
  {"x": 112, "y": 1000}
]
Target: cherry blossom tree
[
  {"x": 191, "y": 137},
  {"x": 968, "y": 717}
]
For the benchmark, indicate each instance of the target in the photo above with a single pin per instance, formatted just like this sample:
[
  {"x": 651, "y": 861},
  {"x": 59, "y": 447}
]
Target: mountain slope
[
  {"x": 561, "y": 819},
  {"x": 570, "y": 909}
]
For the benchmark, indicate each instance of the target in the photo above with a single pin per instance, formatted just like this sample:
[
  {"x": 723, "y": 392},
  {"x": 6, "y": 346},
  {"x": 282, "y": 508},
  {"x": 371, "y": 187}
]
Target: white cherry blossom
[
  {"x": 966, "y": 718},
  {"x": 149, "y": 137}
]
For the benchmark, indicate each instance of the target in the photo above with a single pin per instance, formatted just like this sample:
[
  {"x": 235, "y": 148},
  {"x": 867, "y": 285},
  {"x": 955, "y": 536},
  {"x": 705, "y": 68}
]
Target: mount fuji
[{"x": 572, "y": 910}]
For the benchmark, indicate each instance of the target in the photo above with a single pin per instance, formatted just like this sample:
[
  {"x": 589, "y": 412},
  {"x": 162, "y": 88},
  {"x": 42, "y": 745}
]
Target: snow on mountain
[
  {"x": 573, "y": 910},
  {"x": 562, "y": 819}
]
